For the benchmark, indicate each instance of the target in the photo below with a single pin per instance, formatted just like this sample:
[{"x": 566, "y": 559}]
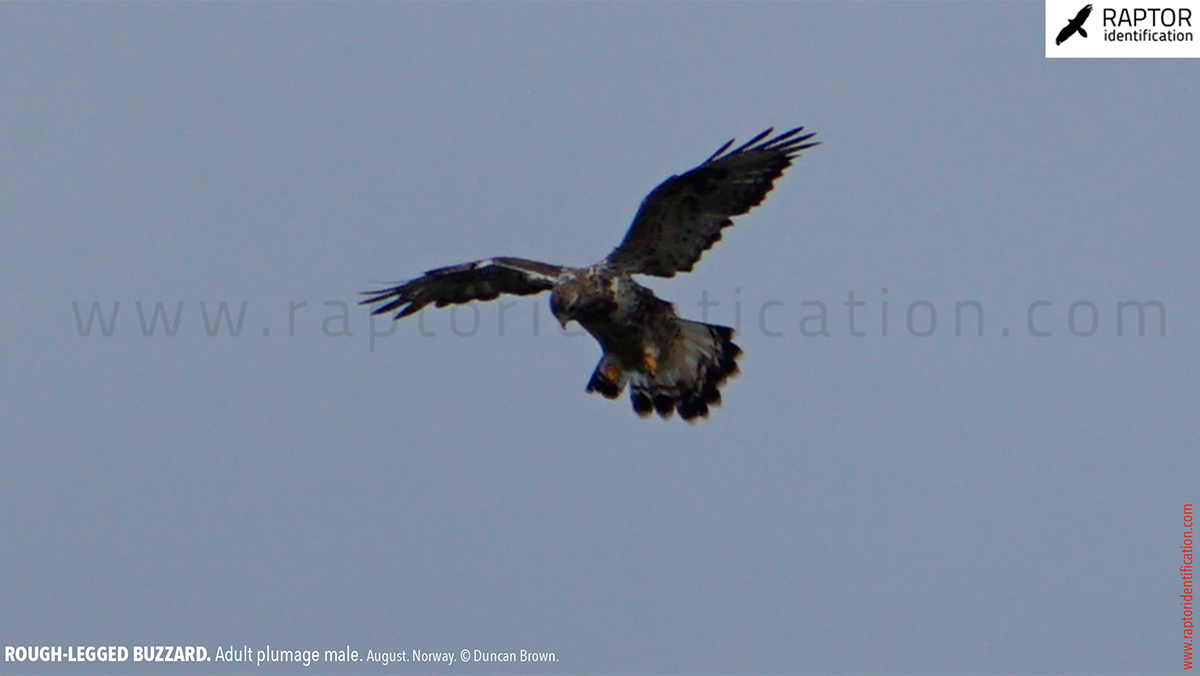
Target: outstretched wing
[
  {"x": 479, "y": 280},
  {"x": 681, "y": 218},
  {"x": 1082, "y": 15}
]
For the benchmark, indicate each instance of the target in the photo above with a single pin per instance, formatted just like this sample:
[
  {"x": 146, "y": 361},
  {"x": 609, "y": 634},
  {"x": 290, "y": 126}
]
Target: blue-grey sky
[{"x": 1004, "y": 503}]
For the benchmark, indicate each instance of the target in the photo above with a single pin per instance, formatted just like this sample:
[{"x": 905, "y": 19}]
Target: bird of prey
[
  {"x": 669, "y": 363},
  {"x": 1074, "y": 25}
]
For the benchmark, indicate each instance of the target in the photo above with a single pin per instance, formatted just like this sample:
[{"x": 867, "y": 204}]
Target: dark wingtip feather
[
  {"x": 392, "y": 299},
  {"x": 762, "y": 135},
  {"x": 788, "y": 142},
  {"x": 375, "y": 296},
  {"x": 719, "y": 151}
]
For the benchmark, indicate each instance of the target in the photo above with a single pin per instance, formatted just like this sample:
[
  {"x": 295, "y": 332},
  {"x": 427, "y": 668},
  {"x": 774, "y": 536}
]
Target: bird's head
[{"x": 564, "y": 303}]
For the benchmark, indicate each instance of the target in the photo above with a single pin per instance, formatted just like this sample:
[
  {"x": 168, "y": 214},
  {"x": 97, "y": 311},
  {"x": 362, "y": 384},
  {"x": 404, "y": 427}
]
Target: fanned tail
[{"x": 691, "y": 375}]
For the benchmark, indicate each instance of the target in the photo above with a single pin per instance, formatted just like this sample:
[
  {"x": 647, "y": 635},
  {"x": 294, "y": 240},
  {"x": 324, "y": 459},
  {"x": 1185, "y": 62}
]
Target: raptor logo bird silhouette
[
  {"x": 1074, "y": 25},
  {"x": 669, "y": 363}
]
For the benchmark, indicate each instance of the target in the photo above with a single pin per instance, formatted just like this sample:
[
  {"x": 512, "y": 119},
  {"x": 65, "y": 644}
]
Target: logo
[
  {"x": 1074, "y": 25},
  {"x": 1122, "y": 29}
]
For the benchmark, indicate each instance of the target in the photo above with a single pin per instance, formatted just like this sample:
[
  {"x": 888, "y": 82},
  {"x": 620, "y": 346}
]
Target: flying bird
[
  {"x": 1074, "y": 25},
  {"x": 669, "y": 363}
]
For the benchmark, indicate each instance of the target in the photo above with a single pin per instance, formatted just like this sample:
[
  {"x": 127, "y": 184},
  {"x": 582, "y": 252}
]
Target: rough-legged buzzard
[{"x": 669, "y": 363}]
